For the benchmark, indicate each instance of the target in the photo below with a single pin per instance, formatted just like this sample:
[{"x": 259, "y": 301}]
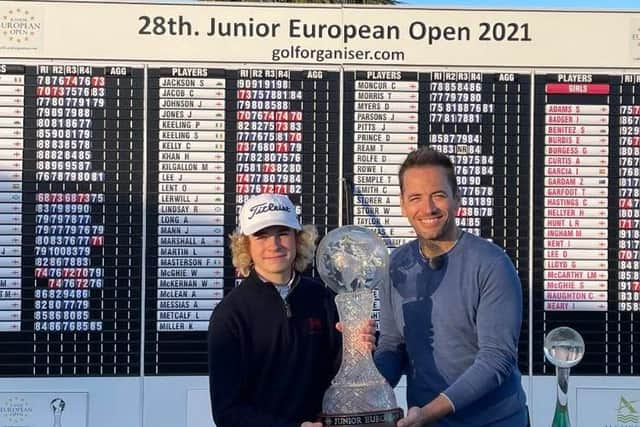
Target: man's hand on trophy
[
  {"x": 439, "y": 407},
  {"x": 367, "y": 334},
  {"x": 415, "y": 418},
  {"x": 310, "y": 424}
]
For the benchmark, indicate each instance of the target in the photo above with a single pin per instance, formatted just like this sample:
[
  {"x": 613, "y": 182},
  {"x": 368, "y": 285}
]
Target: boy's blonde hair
[{"x": 305, "y": 250}]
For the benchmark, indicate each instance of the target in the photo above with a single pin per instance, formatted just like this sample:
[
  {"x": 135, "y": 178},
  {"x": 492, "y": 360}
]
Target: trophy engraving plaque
[{"x": 353, "y": 261}]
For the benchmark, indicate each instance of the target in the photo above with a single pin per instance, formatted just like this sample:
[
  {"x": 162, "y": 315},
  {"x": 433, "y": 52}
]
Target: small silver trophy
[
  {"x": 564, "y": 348},
  {"x": 353, "y": 261},
  {"x": 57, "y": 406}
]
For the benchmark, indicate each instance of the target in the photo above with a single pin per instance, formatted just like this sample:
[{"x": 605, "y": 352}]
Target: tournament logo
[
  {"x": 627, "y": 412},
  {"x": 635, "y": 40},
  {"x": 20, "y": 28},
  {"x": 14, "y": 411}
]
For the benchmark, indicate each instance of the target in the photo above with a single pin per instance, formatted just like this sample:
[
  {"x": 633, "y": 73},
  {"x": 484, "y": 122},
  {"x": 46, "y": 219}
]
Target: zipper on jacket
[
  {"x": 287, "y": 309},
  {"x": 285, "y": 301}
]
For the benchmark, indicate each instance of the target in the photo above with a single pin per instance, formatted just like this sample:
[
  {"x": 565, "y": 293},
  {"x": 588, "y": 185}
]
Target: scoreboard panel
[
  {"x": 481, "y": 120},
  {"x": 72, "y": 202},
  {"x": 71, "y": 219},
  {"x": 123, "y": 164},
  {"x": 585, "y": 258},
  {"x": 215, "y": 137}
]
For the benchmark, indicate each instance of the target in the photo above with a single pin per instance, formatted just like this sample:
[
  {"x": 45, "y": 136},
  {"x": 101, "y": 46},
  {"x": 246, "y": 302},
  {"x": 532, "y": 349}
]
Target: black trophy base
[{"x": 369, "y": 419}]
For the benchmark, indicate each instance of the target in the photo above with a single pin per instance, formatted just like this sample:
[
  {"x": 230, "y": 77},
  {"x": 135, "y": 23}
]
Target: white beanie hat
[{"x": 266, "y": 210}]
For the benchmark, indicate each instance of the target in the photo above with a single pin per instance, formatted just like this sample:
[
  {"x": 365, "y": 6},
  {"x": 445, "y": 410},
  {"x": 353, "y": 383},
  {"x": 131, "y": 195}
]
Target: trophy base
[{"x": 387, "y": 418}]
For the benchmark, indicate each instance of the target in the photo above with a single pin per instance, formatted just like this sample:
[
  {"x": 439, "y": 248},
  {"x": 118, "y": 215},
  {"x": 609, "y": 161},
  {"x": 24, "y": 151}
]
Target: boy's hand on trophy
[{"x": 367, "y": 333}]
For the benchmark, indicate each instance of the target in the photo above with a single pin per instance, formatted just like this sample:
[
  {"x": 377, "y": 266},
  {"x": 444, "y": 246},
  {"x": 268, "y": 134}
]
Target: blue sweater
[{"x": 455, "y": 331}]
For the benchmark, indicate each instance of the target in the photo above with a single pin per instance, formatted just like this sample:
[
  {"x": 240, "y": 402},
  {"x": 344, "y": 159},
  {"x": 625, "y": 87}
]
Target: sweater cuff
[{"x": 450, "y": 401}]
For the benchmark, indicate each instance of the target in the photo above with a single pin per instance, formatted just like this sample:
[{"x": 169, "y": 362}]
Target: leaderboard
[
  {"x": 120, "y": 184},
  {"x": 481, "y": 120},
  {"x": 585, "y": 256},
  {"x": 71, "y": 219},
  {"x": 215, "y": 138}
]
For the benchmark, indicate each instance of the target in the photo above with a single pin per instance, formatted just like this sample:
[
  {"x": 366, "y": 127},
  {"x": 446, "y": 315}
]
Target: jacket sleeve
[
  {"x": 229, "y": 378},
  {"x": 335, "y": 337},
  {"x": 390, "y": 354},
  {"x": 498, "y": 318}
]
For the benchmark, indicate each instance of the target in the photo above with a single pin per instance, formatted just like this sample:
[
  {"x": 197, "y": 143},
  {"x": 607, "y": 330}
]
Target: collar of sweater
[{"x": 254, "y": 279}]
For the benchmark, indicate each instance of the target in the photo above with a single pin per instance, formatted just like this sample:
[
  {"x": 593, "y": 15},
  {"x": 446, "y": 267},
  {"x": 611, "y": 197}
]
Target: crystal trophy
[
  {"x": 353, "y": 261},
  {"x": 564, "y": 348},
  {"x": 57, "y": 406}
]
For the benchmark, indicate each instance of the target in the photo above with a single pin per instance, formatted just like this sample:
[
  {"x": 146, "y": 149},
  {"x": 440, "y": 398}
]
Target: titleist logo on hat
[
  {"x": 266, "y": 207},
  {"x": 266, "y": 210}
]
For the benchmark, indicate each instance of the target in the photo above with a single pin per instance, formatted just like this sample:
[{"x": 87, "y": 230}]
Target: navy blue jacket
[{"x": 271, "y": 360}]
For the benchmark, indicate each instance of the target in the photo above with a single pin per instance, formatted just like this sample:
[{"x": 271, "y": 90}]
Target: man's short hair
[{"x": 425, "y": 156}]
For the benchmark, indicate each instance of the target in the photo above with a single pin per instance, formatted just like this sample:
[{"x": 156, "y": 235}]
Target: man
[
  {"x": 273, "y": 349},
  {"x": 451, "y": 314}
]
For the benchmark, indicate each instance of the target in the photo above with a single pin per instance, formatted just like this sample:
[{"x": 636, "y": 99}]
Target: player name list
[
  {"x": 216, "y": 137},
  {"x": 586, "y": 255},
  {"x": 481, "y": 120}
]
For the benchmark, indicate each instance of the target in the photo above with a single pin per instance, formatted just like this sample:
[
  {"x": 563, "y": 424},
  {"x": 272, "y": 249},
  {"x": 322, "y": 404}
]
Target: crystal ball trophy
[
  {"x": 564, "y": 348},
  {"x": 353, "y": 261},
  {"x": 57, "y": 406}
]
